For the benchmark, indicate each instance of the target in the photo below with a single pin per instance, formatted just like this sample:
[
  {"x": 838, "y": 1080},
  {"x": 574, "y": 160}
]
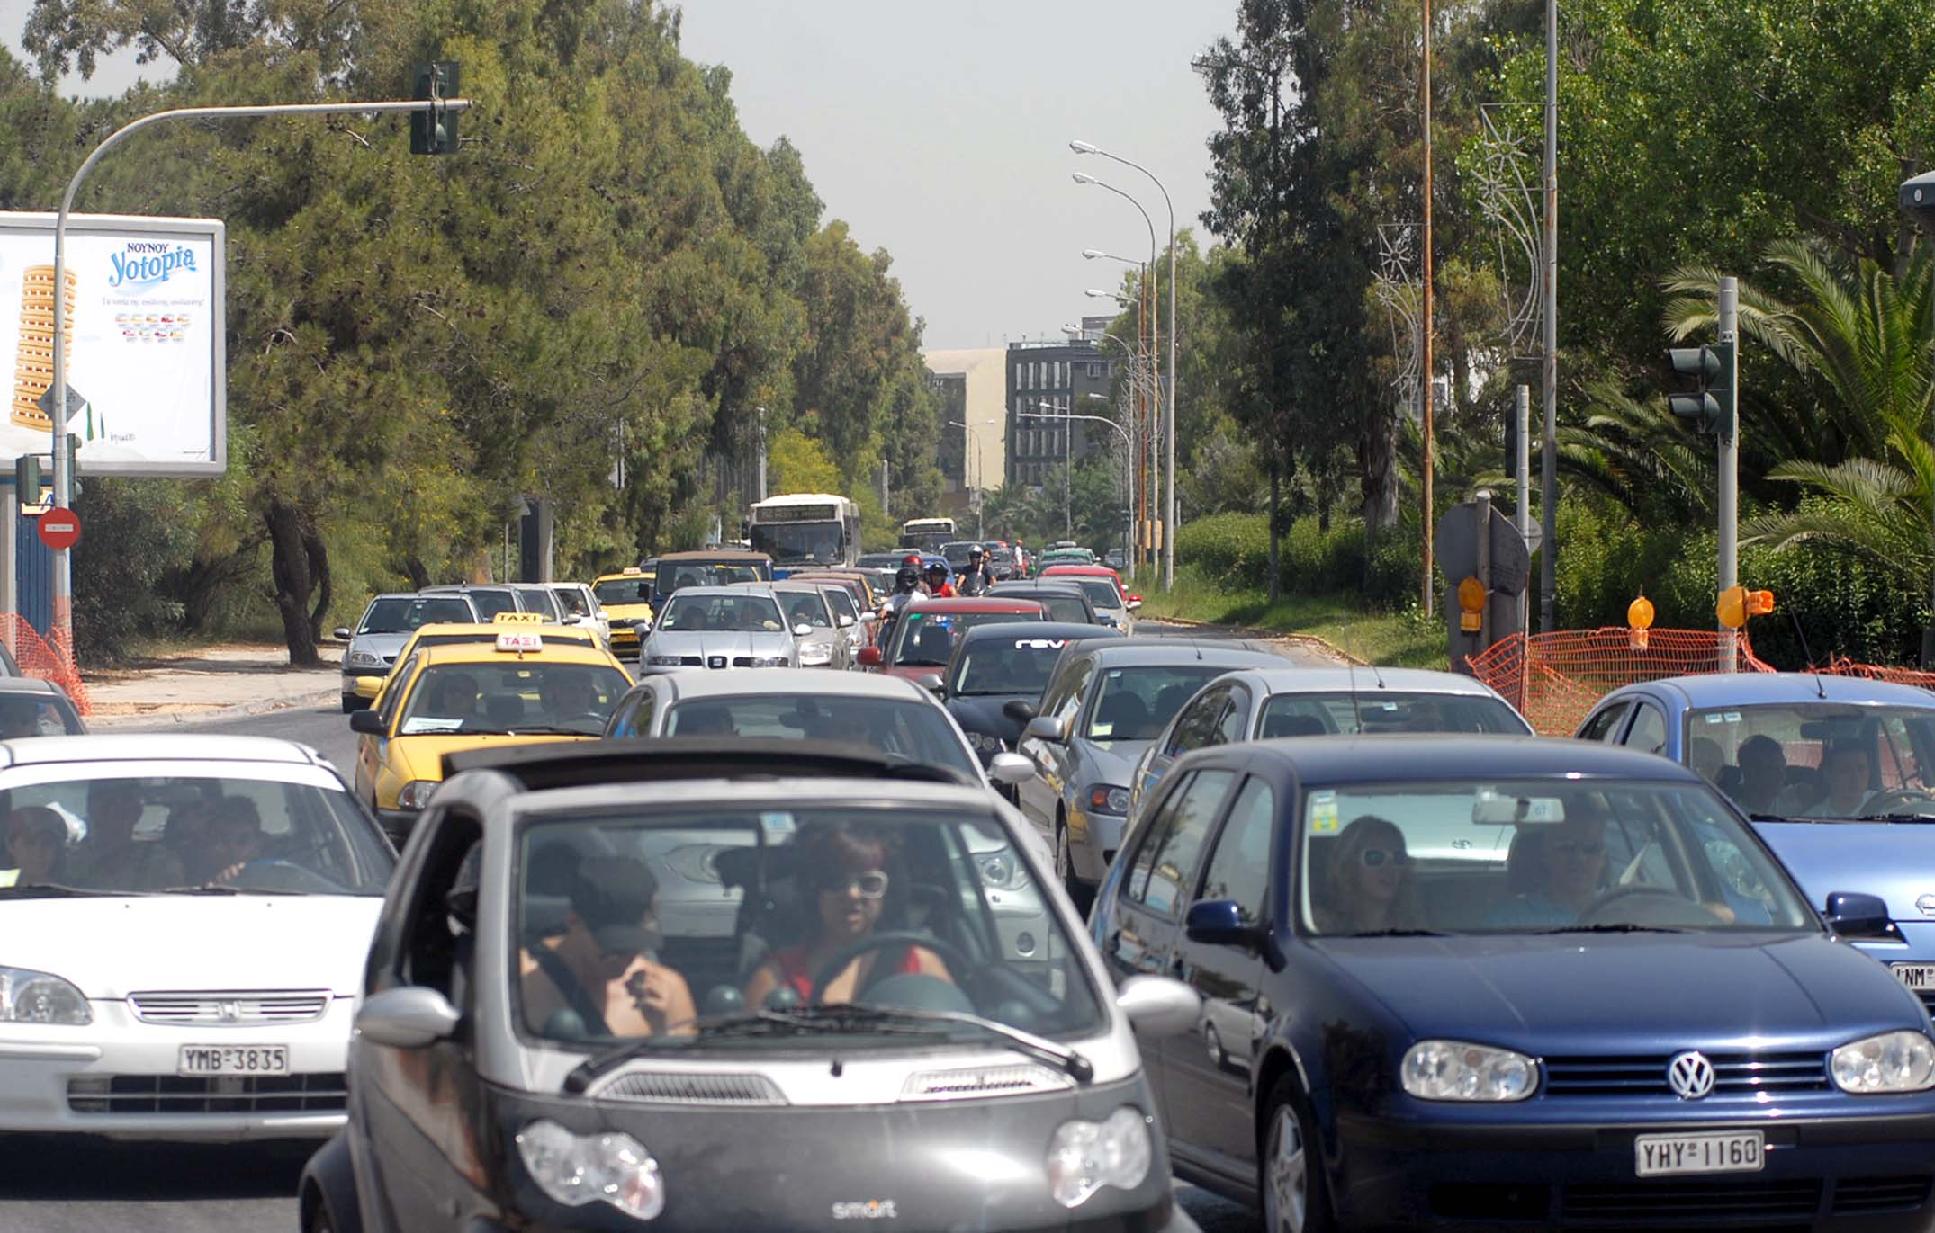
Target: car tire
[
  {"x": 1290, "y": 1176},
  {"x": 1082, "y": 895},
  {"x": 1218, "y": 1057}
]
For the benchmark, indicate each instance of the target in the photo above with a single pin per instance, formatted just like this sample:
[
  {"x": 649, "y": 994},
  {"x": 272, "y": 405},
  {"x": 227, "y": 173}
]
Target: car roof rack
[{"x": 663, "y": 759}]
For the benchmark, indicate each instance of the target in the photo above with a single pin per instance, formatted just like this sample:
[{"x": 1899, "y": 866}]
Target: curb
[{"x": 241, "y": 710}]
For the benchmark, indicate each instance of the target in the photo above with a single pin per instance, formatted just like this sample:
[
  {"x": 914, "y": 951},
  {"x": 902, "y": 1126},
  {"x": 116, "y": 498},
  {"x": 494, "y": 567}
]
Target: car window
[
  {"x": 24, "y": 715},
  {"x": 490, "y": 603},
  {"x": 1648, "y": 733},
  {"x": 906, "y": 731},
  {"x": 842, "y": 602},
  {"x": 573, "y": 601},
  {"x": 1239, "y": 866},
  {"x": 805, "y": 608},
  {"x": 1196, "y": 723},
  {"x": 1229, "y": 722},
  {"x": 433, "y": 937},
  {"x": 1375, "y": 711},
  {"x": 1785, "y": 758},
  {"x": 1605, "y": 725},
  {"x": 634, "y": 715},
  {"x": 617, "y": 591},
  {"x": 1017, "y": 666},
  {"x": 1136, "y": 704},
  {"x": 928, "y": 638},
  {"x": 1168, "y": 855},
  {"x": 512, "y": 695},
  {"x": 686, "y": 611}
]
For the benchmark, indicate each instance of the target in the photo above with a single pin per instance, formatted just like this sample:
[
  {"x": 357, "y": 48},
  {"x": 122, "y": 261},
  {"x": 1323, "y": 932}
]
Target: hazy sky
[{"x": 940, "y": 131}]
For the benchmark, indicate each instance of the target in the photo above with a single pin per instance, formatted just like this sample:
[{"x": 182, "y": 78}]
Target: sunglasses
[
  {"x": 1375, "y": 857},
  {"x": 1578, "y": 847},
  {"x": 869, "y": 885}
]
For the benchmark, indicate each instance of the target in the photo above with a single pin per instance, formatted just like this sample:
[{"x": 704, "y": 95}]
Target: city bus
[
  {"x": 806, "y": 529},
  {"x": 927, "y": 534}
]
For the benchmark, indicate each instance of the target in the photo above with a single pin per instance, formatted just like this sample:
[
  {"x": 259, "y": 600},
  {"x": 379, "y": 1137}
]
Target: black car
[
  {"x": 996, "y": 675},
  {"x": 1062, "y": 601},
  {"x": 1497, "y": 982}
]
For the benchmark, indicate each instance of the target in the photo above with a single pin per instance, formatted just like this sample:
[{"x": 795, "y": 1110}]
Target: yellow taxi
[
  {"x": 523, "y": 686},
  {"x": 626, "y": 598},
  {"x": 446, "y": 633}
]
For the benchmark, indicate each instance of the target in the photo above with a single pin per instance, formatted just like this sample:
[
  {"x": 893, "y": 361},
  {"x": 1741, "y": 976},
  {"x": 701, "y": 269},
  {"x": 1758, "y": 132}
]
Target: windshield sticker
[
  {"x": 417, "y": 725},
  {"x": 1102, "y": 729},
  {"x": 777, "y": 823},
  {"x": 1733, "y": 717},
  {"x": 1715, "y": 717},
  {"x": 1323, "y": 813}
]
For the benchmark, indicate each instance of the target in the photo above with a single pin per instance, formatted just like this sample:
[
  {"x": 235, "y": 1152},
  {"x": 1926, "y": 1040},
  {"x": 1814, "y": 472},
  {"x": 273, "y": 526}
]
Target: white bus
[
  {"x": 806, "y": 529},
  {"x": 927, "y": 534}
]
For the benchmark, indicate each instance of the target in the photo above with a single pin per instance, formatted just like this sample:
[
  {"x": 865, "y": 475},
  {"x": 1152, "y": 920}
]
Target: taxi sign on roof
[
  {"x": 633, "y": 569},
  {"x": 520, "y": 642},
  {"x": 518, "y": 618}
]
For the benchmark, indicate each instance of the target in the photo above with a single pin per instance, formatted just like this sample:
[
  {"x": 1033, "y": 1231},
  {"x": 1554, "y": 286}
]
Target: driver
[
  {"x": 1847, "y": 772},
  {"x": 1570, "y": 861},
  {"x": 234, "y": 839},
  {"x": 844, "y": 874},
  {"x": 453, "y": 696},
  {"x": 603, "y": 970},
  {"x": 567, "y": 695}
]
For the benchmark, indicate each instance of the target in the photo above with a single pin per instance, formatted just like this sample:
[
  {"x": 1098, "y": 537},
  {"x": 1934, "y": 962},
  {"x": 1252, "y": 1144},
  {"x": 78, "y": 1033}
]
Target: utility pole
[
  {"x": 1522, "y": 473},
  {"x": 1430, "y": 584},
  {"x": 762, "y": 454},
  {"x": 1729, "y": 434},
  {"x": 1549, "y": 377}
]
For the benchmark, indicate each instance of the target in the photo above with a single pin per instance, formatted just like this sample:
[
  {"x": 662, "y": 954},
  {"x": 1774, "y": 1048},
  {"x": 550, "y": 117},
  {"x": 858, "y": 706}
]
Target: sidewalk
[{"x": 210, "y": 683}]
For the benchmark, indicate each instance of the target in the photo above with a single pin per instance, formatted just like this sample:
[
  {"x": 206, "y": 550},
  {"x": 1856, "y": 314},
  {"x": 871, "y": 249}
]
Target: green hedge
[{"x": 1232, "y": 551}]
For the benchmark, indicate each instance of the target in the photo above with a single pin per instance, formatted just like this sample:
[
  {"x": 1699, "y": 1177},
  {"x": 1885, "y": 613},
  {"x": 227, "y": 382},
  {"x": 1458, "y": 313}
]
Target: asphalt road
[{"x": 89, "y": 1186}]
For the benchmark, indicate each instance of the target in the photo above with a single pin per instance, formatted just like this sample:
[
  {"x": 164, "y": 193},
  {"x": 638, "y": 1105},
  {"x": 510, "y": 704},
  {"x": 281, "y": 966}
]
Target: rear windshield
[
  {"x": 623, "y": 591},
  {"x": 1375, "y": 711},
  {"x": 904, "y": 730},
  {"x": 404, "y": 613},
  {"x": 490, "y": 603},
  {"x": 926, "y": 639}
]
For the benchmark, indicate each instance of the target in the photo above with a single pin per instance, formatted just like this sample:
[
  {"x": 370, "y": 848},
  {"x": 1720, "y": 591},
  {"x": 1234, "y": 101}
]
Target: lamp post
[
  {"x": 1068, "y": 467},
  {"x": 1141, "y": 386},
  {"x": 1169, "y": 445},
  {"x": 1128, "y": 481}
]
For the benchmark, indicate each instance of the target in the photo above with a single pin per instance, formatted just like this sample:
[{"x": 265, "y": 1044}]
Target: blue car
[
  {"x": 1491, "y": 982},
  {"x": 1837, "y": 773}
]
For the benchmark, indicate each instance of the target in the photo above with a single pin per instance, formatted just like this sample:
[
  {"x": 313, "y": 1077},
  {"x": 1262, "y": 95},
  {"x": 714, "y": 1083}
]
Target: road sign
[
  {"x": 1457, "y": 549},
  {"x": 60, "y": 528},
  {"x": 75, "y": 403}
]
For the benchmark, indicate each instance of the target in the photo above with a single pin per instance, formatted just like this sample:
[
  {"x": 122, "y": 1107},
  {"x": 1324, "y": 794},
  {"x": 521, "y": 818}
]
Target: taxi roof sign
[
  {"x": 633, "y": 569},
  {"x": 518, "y": 618},
  {"x": 520, "y": 641}
]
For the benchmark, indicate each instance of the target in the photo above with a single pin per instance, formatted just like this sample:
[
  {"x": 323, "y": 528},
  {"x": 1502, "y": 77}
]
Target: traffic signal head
[
  {"x": 1709, "y": 373},
  {"x": 433, "y": 131},
  {"x": 26, "y": 479}
]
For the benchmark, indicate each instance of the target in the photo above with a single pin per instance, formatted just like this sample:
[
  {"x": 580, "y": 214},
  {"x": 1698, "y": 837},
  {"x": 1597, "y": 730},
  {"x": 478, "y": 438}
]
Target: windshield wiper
[
  {"x": 1617, "y": 927},
  {"x": 1398, "y": 933},
  {"x": 747, "y": 1023},
  {"x": 1894, "y": 817},
  {"x": 54, "y": 890},
  {"x": 216, "y": 888},
  {"x": 546, "y": 730}
]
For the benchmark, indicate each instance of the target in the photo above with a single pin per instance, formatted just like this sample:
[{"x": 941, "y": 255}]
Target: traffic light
[
  {"x": 26, "y": 479},
  {"x": 1709, "y": 404},
  {"x": 433, "y": 131},
  {"x": 1738, "y": 603}
]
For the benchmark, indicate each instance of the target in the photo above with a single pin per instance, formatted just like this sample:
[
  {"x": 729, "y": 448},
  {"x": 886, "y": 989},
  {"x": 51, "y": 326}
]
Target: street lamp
[{"x": 1169, "y": 538}]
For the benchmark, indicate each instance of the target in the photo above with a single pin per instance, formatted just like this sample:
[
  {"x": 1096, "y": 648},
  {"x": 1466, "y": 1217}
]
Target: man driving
[
  {"x": 234, "y": 838},
  {"x": 1569, "y": 860}
]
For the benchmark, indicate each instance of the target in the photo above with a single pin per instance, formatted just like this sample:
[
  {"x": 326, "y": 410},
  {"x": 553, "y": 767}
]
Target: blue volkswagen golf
[{"x": 1496, "y": 982}]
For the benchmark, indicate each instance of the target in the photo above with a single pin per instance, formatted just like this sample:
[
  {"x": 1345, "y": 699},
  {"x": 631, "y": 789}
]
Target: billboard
[{"x": 145, "y": 326}]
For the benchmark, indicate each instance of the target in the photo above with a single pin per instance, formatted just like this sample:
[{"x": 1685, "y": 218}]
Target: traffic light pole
[
  {"x": 1729, "y": 438},
  {"x": 63, "y": 623}
]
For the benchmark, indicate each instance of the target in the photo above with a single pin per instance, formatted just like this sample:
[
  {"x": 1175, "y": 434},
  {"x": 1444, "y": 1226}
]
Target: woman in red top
[{"x": 844, "y": 870}]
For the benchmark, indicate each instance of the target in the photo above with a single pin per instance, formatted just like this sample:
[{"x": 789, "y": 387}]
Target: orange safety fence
[
  {"x": 1554, "y": 679},
  {"x": 1879, "y": 672},
  {"x": 49, "y": 657}
]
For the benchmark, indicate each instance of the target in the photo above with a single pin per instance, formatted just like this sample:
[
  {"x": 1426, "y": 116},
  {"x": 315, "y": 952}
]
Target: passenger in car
[
  {"x": 1847, "y": 771},
  {"x": 1368, "y": 887},
  {"x": 601, "y": 978},
  {"x": 845, "y": 872},
  {"x": 1705, "y": 756},
  {"x": 1763, "y": 774},
  {"x": 36, "y": 853},
  {"x": 1568, "y": 873},
  {"x": 110, "y": 859}
]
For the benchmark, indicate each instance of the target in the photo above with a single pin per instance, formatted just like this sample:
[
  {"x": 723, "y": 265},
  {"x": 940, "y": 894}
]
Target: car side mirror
[
  {"x": 1046, "y": 728},
  {"x": 1852, "y": 915},
  {"x": 1010, "y": 769},
  {"x": 369, "y": 723},
  {"x": 409, "y": 1017},
  {"x": 1018, "y": 709},
  {"x": 870, "y": 657},
  {"x": 642, "y": 628},
  {"x": 846, "y": 622},
  {"x": 932, "y": 683},
  {"x": 1219, "y": 922},
  {"x": 1159, "y": 1005},
  {"x": 368, "y": 686},
  {"x": 342, "y": 633},
  {"x": 868, "y": 618},
  {"x": 802, "y": 630}
]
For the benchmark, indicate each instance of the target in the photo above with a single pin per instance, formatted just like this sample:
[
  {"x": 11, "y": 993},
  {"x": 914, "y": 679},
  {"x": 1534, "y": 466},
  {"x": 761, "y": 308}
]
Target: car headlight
[
  {"x": 771, "y": 661},
  {"x": 981, "y": 742},
  {"x": 27, "y": 996},
  {"x": 1106, "y": 798},
  {"x": 1455, "y": 1070},
  {"x": 417, "y": 793},
  {"x": 1891, "y": 1062},
  {"x": 1000, "y": 870},
  {"x": 816, "y": 654},
  {"x": 600, "y": 1168},
  {"x": 1083, "y": 1157},
  {"x": 663, "y": 661},
  {"x": 363, "y": 659}
]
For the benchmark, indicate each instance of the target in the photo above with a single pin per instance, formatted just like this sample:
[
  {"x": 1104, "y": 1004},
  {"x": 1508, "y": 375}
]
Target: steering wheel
[
  {"x": 958, "y": 963},
  {"x": 1645, "y": 905},
  {"x": 1890, "y": 800},
  {"x": 273, "y": 874}
]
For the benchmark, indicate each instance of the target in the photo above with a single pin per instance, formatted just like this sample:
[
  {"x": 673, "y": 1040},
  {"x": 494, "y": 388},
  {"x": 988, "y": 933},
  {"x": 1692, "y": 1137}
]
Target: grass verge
[{"x": 1405, "y": 639}]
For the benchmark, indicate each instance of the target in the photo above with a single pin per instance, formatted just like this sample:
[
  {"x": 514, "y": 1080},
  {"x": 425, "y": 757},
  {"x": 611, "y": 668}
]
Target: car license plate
[
  {"x": 1919, "y": 977},
  {"x": 1731, "y": 1151},
  {"x": 233, "y": 1060}
]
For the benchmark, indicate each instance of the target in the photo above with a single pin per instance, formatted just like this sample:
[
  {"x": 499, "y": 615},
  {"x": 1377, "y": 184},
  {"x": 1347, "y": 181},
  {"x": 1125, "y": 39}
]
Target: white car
[{"x": 190, "y": 966}]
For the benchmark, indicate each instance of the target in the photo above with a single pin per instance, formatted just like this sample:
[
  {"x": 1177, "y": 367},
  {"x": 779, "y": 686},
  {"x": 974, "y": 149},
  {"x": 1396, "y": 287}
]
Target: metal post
[
  {"x": 1729, "y": 446},
  {"x": 1549, "y": 362},
  {"x": 1430, "y": 583},
  {"x": 9, "y": 566},
  {"x": 62, "y": 633},
  {"x": 762, "y": 455},
  {"x": 1522, "y": 471}
]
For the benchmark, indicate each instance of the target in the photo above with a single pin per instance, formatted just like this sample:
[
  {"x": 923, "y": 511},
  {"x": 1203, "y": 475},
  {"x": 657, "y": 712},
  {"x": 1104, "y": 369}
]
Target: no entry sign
[{"x": 60, "y": 528}]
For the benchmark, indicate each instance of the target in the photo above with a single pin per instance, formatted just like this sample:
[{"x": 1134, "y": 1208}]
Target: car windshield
[
  {"x": 1100, "y": 591},
  {"x": 572, "y": 601},
  {"x": 24, "y": 715},
  {"x": 1136, "y": 704},
  {"x": 403, "y": 613},
  {"x": 1018, "y": 666},
  {"x": 708, "y": 574},
  {"x": 726, "y": 930},
  {"x": 1533, "y": 856},
  {"x": 140, "y": 835},
  {"x": 511, "y": 695},
  {"x": 724, "y": 613},
  {"x": 957, "y": 552},
  {"x": 804, "y": 608},
  {"x": 926, "y": 639},
  {"x": 623, "y": 591},
  {"x": 538, "y": 599},
  {"x": 490, "y": 603},
  {"x": 1826, "y": 760},
  {"x": 882, "y": 560},
  {"x": 1375, "y": 711},
  {"x": 799, "y": 543},
  {"x": 904, "y": 729}
]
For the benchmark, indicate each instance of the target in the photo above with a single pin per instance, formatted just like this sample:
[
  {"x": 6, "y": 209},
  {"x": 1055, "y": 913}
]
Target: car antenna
[
  {"x": 1376, "y": 675},
  {"x": 1820, "y": 686}
]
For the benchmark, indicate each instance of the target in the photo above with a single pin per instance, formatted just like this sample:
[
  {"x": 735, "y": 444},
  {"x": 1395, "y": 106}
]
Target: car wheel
[
  {"x": 1065, "y": 870},
  {"x": 1291, "y": 1180},
  {"x": 319, "y": 1221},
  {"x": 1215, "y": 1042}
]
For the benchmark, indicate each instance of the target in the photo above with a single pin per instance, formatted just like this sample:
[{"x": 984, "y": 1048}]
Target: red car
[
  {"x": 925, "y": 634},
  {"x": 1099, "y": 581}
]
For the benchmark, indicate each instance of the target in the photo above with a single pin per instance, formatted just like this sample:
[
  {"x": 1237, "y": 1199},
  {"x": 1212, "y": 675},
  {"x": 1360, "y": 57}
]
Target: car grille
[
  {"x": 743, "y": 1091},
  {"x": 1623, "y": 1204},
  {"x": 253, "y": 1009},
  {"x": 715, "y": 661},
  {"x": 1928, "y": 999},
  {"x": 123, "y": 1094},
  {"x": 1880, "y": 1194},
  {"x": 1735, "y": 1074}
]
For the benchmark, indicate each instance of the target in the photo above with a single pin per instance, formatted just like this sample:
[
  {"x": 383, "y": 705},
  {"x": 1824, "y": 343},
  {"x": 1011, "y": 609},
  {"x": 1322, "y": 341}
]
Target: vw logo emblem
[
  {"x": 1690, "y": 1075},
  {"x": 1926, "y": 905}
]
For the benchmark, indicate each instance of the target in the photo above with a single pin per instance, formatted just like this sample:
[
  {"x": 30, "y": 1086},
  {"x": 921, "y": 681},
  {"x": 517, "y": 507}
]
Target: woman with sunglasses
[
  {"x": 844, "y": 873},
  {"x": 1368, "y": 887}
]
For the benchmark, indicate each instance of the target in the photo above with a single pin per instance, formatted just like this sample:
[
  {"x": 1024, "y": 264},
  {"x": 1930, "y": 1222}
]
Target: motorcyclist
[
  {"x": 906, "y": 587},
  {"x": 978, "y": 576},
  {"x": 937, "y": 584}
]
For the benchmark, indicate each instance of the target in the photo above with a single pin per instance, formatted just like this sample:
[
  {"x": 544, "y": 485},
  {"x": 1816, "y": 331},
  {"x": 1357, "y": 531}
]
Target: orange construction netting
[
  {"x": 49, "y": 657},
  {"x": 1554, "y": 679}
]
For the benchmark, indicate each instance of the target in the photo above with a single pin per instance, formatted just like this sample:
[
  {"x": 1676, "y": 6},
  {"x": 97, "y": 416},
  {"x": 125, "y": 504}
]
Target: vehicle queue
[{"x": 1009, "y": 911}]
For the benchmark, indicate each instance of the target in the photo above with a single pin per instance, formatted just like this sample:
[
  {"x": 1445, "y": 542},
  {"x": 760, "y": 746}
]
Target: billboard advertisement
[{"x": 145, "y": 324}]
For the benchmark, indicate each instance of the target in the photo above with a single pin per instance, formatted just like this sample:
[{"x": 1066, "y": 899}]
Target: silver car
[
  {"x": 824, "y": 645},
  {"x": 713, "y": 627},
  {"x": 385, "y": 626}
]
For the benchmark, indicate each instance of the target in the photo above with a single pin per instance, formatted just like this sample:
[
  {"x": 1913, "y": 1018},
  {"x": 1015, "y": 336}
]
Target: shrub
[
  {"x": 1229, "y": 550},
  {"x": 1232, "y": 551}
]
